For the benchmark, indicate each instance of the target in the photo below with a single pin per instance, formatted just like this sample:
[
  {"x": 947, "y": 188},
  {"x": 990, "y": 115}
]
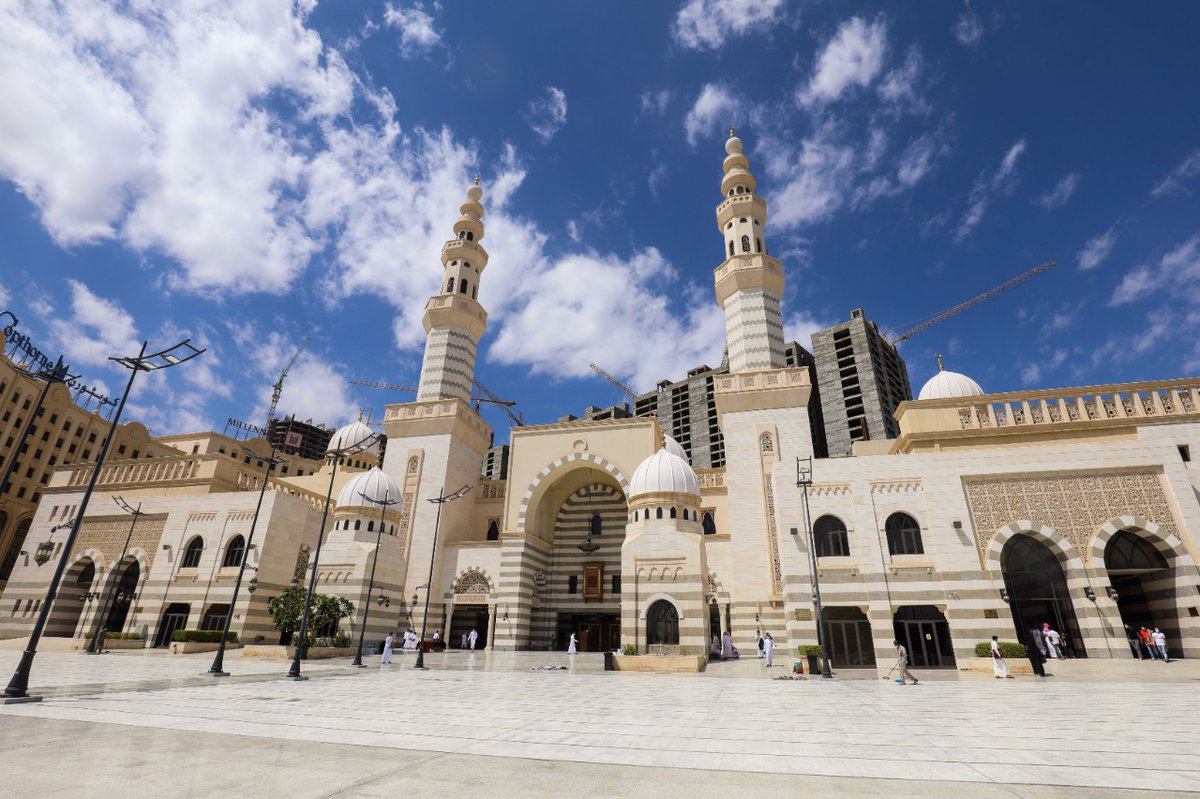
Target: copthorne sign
[{"x": 37, "y": 361}]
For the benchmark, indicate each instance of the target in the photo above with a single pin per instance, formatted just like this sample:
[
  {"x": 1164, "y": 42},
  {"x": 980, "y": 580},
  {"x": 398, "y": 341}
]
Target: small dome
[
  {"x": 733, "y": 144},
  {"x": 948, "y": 385},
  {"x": 475, "y": 193},
  {"x": 672, "y": 446},
  {"x": 664, "y": 472},
  {"x": 351, "y": 435},
  {"x": 376, "y": 485}
]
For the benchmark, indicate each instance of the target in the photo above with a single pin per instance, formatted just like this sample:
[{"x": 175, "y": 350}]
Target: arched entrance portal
[
  {"x": 848, "y": 636},
  {"x": 73, "y": 594},
  {"x": 925, "y": 633},
  {"x": 466, "y": 618},
  {"x": 1144, "y": 583},
  {"x": 662, "y": 624},
  {"x": 124, "y": 592},
  {"x": 174, "y": 618},
  {"x": 1037, "y": 591}
]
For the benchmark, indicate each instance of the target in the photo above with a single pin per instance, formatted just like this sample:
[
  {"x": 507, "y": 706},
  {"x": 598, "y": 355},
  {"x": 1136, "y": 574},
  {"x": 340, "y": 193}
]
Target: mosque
[{"x": 988, "y": 514}]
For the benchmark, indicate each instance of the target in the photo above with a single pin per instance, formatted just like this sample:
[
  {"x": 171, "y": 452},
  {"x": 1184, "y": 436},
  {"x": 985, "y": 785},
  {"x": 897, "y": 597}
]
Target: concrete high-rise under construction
[{"x": 862, "y": 379}]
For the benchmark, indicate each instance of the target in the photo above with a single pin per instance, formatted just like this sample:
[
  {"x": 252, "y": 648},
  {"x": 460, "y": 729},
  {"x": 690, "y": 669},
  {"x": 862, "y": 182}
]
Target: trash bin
[
  {"x": 610, "y": 663},
  {"x": 813, "y": 666}
]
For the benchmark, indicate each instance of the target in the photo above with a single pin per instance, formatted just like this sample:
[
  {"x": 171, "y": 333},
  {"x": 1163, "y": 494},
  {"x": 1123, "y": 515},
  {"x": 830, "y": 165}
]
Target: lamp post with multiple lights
[
  {"x": 383, "y": 504},
  {"x": 294, "y": 671},
  {"x": 18, "y": 686},
  {"x": 441, "y": 499},
  {"x": 804, "y": 479}
]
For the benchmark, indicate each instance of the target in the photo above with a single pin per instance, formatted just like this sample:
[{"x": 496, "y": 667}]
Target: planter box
[
  {"x": 279, "y": 652},
  {"x": 671, "y": 664},
  {"x": 113, "y": 644},
  {"x": 192, "y": 647},
  {"x": 1016, "y": 666}
]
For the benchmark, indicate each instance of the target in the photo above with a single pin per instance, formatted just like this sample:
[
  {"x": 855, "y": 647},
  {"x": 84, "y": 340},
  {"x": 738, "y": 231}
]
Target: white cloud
[
  {"x": 968, "y": 29},
  {"x": 853, "y": 57},
  {"x": 656, "y": 177},
  {"x": 986, "y": 187},
  {"x": 573, "y": 231},
  {"x": 418, "y": 33},
  {"x": 1174, "y": 182},
  {"x": 656, "y": 102},
  {"x": 714, "y": 111},
  {"x": 95, "y": 329},
  {"x": 1178, "y": 270},
  {"x": 613, "y": 311},
  {"x": 899, "y": 86},
  {"x": 1097, "y": 249},
  {"x": 708, "y": 24},
  {"x": 548, "y": 113},
  {"x": 1061, "y": 193},
  {"x": 1031, "y": 373}
]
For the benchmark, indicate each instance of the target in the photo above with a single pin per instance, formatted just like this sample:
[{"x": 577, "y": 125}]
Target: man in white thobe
[
  {"x": 768, "y": 648},
  {"x": 473, "y": 637},
  {"x": 387, "y": 647}
]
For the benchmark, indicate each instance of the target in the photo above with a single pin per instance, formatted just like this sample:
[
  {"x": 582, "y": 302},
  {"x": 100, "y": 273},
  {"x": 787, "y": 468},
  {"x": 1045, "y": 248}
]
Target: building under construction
[{"x": 305, "y": 439}]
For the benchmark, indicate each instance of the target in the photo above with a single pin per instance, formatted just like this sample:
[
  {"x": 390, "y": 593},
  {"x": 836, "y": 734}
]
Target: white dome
[
  {"x": 948, "y": 385},
  {"x": 662, "y": 472},
  {"x": 672, "y": 446},
  {"x": 376, "y": 485},
  {"x": 350, "y": 435}
]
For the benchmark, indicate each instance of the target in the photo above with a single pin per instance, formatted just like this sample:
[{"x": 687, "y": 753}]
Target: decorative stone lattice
[
  {"x": 1075, "y": 506},
  {"x": 473, "y": 581},
  {"x": 109, "y": 536}
]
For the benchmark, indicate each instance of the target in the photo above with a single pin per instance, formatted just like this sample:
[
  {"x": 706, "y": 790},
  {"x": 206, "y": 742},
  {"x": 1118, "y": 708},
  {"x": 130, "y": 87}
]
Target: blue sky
[{"x": 250, "y": 173}]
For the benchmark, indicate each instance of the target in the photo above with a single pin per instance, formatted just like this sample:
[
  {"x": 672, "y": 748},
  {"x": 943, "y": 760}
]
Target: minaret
[
  {"x": 454, "y": 320},
  {"x": 749, "y": 283}
]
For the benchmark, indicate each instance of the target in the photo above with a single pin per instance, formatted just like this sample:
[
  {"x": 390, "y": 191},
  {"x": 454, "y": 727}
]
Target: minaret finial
[
  {"x": 476, "y": 178},
  {"x": 941, "y": 367},
  {"x": 731, "y": 133}
]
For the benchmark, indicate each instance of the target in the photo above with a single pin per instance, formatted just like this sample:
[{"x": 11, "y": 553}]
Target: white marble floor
[{"x": 1101, "y": 735}]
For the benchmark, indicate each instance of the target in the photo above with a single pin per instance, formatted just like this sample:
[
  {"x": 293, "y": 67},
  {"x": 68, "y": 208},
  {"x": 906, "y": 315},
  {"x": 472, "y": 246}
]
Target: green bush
[
  {"x": 1008, "y": 649},
  {"x": 116, "y": 636},
  {"x": 809, "y": 649},
  {"x": 629, "y": 649},
  {"x": 203, "y": 636}
]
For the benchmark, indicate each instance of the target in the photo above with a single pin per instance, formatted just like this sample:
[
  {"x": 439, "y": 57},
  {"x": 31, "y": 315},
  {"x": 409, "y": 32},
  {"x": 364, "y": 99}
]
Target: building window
[
  {"x": 674, "y": 512},
  {"x": 829, "y": 538},
  {"x": 616, "y": 584},
  {"x": 597, "y": 524},
  {"x": 745, "y": 244},
  {"x": 462, "y": 286},
  {"x": 573, "y": 584},
  {"x": 658, "y": 513},
  {"x": 766, "y": 443},
  {"x": 662, "y": 624},
  {"x": 904, "y": 535},
  {"x": 493, "y": 531},
  {"x": 191, "y": 555},
  {"x": 707, "y": 524},
  {"x": 234, "y": 553},
  {"x": 1185, "y": 453},
  {"x": 758, "y": 244},
  {"x": 450, "y": 285},
  {"x": 731, "y": 249}
]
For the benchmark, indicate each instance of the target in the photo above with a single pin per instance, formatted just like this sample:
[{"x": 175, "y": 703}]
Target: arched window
[
  {"x": 493, "y": 531},
  {"x": 707, "y": 524},
  {"x": 450, "y": 285},
  {"x": 829, "y": 538},
  {"x": 462, "y": 234},
  {"x": 758, "y": 245},
  {"x": 766, "y": 443},
  {"x": 658, "y": 513},
  {"x": 662, "y": 624},
  {"x": 674, "y": 513},
  {"x": 597, "y": 524},
  {"x": 358, "y": 524},
  {"x": 462, "y": 286},
  {"x": 234, "y": 552},
  {"x": 370, "y": 527},
  {"x": 904, "y": 535},
  {"x": 731, "y": 248},
  {"x": 745, "y": 244},
  {"x": 191, "y": 555},
  {"x": 470, "y": 236}
]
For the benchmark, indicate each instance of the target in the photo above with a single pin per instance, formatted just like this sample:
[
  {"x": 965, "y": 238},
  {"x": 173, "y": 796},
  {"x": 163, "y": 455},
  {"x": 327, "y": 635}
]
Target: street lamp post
[
  {"x": 18, "y": 686},
  {"x": 804, "y": 479},
  {"x": 362, "y": 632},
  {"x": 218, "y": 665},
  {"x": 96, "y": 645},
  {"x": 294, "y": 671},
  {"x": 441, "y": 499}
]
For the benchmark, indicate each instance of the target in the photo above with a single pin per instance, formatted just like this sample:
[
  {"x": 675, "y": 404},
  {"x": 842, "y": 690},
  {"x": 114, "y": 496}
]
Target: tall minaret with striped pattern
[
  {"x": 750, "y": 282},
  {"x": 454, "y": 320}
]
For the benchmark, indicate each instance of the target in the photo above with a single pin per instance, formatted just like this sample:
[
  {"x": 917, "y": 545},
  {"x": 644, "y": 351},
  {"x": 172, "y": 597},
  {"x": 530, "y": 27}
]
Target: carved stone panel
[
  {"x": 108, "y": 536},
  {"x": 1076, "y": 506}
]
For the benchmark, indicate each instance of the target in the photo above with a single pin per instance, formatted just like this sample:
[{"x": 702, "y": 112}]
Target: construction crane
[
  {"x": 624, "y": 389},
  {"x": 488, "y": 397},
  {"x": 938, "y": 318},
  {"x": 277, "y": 389}
]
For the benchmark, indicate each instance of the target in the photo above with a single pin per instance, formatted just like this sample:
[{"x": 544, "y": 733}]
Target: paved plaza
[{"x": 488, "y": 724}]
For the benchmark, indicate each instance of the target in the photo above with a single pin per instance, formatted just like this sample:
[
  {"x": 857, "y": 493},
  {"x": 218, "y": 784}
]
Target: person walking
[
  {"x": 999, "y": 664},
  {"x": 571, "y": 645},
  {"x": 472, "y": 638},
  {"x": 1132, "y": 637},
  {"x": 1160, "y": 643},
  {"x": 1147, "y": 642},
  {"x": 768, "y": 648},
  {"x": 902, "y": 663},
  {"x": 388, "y": 643},
  {"x": 758, "y": 634},
  {"x": 727, "y": 645},
  {"x": 1035, "y": 651},
  {"x": 1052, "y": 641},
  {"x": 464, "y": 641}
]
